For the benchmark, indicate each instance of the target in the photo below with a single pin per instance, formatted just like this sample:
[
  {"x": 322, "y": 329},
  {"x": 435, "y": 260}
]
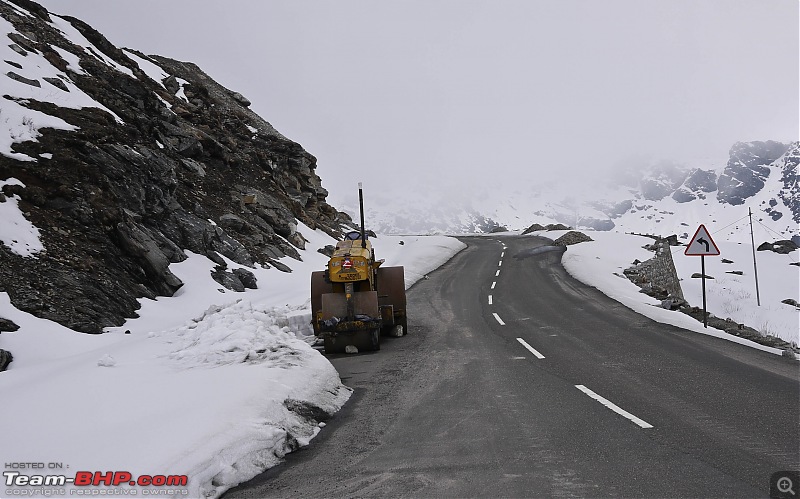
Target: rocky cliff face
[
  {"x": 166, "y": 161},
  {"x": 790, "y": 181},
  {"x": 747, "y": 170}
]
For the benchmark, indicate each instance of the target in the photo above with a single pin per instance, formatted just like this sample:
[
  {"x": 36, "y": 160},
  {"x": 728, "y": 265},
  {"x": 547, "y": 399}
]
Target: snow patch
[{"x": 16, "y": 231}]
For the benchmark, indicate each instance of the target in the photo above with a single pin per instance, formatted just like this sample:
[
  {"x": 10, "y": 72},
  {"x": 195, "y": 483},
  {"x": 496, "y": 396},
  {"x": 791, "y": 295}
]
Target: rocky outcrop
[
  {"x": 533, "y": 228},
  {"x": 747, "y": 170},
  {"x": 572, "y": 237},
  {"x": 662, "y": 181},
  {"x": 5, "y": 359},
  {"x": 696, "y": 186},
  {"x": 7, "y": 325},
  {"x": 783, "y": 247},
  {"x": 790, "y": 191},
  {"x": 186, "y": 167}
]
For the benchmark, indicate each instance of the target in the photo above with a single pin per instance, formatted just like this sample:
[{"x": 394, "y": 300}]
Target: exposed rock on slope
[
  {"x": 181, "y": 164},
  {"x": 790, "y": 191},
  {"x": 572, "y": 237},
  {"x": 747, "y": 170}
]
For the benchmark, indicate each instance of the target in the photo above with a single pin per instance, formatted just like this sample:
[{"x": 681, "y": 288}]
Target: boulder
[
  {"x": 783, "y": 246},
  {"x": 329, "y": 249},
  {"x": 572, "y": 237},
  {"x": 247, "y": 278},
  {"x": 533, "y": 228},
  {"x": 227, "y": 279},
  {"x": 7, "y": 325},
  {"x": 5, "y": 359}
]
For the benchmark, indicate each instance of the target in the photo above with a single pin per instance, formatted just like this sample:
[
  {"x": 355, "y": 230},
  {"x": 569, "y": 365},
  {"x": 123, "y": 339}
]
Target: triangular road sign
[{"x": 702, "y": 244}]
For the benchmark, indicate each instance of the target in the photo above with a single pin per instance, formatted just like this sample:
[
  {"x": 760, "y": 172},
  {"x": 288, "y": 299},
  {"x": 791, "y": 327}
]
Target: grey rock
[
  {"x": 56, "y": 82},
  {"x": 698, "y": 182},
  {"x": 16, "y": 48},
  {"x": 247, "y": 278},
  {"x": 747, "y": 170},
  {"x": 139, "y": 244},
  {"x": 227, "y": 279},
  {"x": 22, "y": 79},
  {"x": 194, "y": 166},
  {"x": 232, "y": 222},
  {"x": 783, "y": 247},
  {"x": 698, "y": 275},
  {"x": 7, "y": 325},
  {"x": 5, "y": 359},
  {"x": 790, "y": 301},
  {"x": 214, "y": 257},
  {"x": 329, "y": 249},
  {"x": 533, "y": 228},
  {"x": 572, "y": 237},
  {"x": 281, "y": 267},
  {"x": 241, "y": 99}
]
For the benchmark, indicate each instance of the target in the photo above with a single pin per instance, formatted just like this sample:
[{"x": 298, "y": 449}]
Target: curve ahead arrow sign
[{"x": 702, "y": 244}]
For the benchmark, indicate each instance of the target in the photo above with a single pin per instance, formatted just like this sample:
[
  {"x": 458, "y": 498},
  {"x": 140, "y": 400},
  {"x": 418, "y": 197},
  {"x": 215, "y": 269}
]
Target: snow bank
[
  {"x": 600, "y": 264},
  {"x": 209, "y": 383},
  {"x": 16, "y": 231}
]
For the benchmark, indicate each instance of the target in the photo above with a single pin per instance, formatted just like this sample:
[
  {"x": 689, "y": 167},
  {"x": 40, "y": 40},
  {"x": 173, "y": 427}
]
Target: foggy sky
[{"x": 495, "y": 93}]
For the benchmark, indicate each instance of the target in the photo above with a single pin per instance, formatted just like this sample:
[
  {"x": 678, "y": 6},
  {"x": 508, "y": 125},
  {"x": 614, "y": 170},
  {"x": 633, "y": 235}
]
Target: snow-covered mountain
[
  {"x": 115, "y": 164},
  {"x": 642, "y": 196}
]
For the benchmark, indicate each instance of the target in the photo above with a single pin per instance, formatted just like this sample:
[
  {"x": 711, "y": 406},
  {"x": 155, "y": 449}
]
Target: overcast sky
[{"x": 495, "y": 92}]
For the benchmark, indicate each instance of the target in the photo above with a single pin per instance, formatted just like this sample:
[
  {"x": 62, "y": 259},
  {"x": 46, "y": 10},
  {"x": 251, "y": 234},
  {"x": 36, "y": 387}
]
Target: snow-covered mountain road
[{"x": 517, "y": 380}]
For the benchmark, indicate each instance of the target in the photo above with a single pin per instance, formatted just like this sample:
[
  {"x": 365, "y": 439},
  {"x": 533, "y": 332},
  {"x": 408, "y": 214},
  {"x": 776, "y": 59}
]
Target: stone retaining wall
[{"x": 658, "y": 273}]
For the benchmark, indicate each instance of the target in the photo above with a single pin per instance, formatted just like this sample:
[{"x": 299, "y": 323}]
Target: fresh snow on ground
[
  {"x": 18, "y": 123},
  {"x": 16, "y": 231},
  {"x": 600, "y": 264},
  {"x": 203, "y": 385},
  {"x": 205, "y": 382}
]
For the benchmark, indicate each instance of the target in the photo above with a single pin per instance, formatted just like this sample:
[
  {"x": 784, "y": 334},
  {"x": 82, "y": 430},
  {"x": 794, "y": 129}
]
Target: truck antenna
[{"x": 361, "y": 207}]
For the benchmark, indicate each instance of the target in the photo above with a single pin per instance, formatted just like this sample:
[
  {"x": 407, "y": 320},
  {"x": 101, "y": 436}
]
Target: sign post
[{"x": 702, "y": 245}]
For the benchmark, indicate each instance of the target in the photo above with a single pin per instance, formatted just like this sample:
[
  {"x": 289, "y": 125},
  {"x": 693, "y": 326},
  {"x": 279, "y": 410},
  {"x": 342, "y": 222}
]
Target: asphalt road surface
[{"x": 516, "y": 380}]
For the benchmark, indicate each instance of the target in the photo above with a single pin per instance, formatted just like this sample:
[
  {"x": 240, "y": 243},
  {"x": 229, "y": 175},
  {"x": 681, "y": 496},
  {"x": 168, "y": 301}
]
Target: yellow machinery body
[{"x": 355, "y": 299}]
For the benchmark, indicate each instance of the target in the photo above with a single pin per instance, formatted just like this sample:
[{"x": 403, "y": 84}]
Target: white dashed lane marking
[
  {"x": 490, "y": 299},
  {"x": 614, "y": 407},
  {"x": 530, "y": 348},
  {"x": 499, "y": 319},
  {"x": 494, "y": 284}
]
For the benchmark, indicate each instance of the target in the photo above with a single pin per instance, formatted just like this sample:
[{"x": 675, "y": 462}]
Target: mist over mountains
[
  {"x": 115, "y": 164},
  {"x": 639, "y": 195}
]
